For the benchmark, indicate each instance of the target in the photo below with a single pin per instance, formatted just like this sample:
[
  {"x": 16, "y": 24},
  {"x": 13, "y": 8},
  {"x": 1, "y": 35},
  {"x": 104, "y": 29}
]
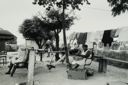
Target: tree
[
  {"x": 118, "y": 6},
  {"x": 63, "y": 4},
  {"x": 37, "y": 30},
  {"x": 55, "y": 22}
]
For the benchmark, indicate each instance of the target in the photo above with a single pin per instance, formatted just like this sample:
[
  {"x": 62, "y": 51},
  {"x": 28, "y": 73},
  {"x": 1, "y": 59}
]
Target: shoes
[
  {"x": 50, "y": 66},
  {"x": 11, "y": 75},
  {"x": 7, "y": 73}
]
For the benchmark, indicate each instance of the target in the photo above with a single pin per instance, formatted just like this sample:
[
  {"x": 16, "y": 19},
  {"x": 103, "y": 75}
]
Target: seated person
[
  {"x": 20, "y": 57},
  {"x": 75, "y": 51},
  {"x": 72, "y": 51},
  {"x": 80, "y": 58}
]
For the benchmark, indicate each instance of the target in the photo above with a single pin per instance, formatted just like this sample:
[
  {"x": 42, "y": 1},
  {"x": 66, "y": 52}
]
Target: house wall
[{"x": 2, "y": 45}]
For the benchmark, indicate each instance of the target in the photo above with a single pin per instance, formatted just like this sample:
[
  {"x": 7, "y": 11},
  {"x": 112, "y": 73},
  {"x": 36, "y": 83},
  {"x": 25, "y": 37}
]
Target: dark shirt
[
  {"x": 74, "y": 52},
  {"x": 86, "y": 55}
]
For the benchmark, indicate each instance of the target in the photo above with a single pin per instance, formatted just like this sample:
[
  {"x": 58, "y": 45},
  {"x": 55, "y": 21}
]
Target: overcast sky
[{"x": 97, "y": 16}]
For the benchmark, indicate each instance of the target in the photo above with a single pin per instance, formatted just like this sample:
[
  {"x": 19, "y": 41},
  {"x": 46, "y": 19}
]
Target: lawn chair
[{"x": 21, "y": 64}]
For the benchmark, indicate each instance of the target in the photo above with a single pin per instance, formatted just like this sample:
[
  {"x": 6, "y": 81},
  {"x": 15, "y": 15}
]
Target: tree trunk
[
  {"x": 41, "y": 54},
  {"x": 57, "y": 47},
  {"x": 64, "y": 37},
  {"x": 40, "y": 47}
]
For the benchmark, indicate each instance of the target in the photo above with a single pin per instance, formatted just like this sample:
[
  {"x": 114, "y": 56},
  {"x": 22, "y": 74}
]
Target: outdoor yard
[
  {"x": 58, "y": 76},
  {"x": 92, "y": 32}
]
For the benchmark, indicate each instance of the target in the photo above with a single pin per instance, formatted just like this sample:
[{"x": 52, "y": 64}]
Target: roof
[
  {"x": 6, "y": 35},
  {"x": 5, "y": 32}
]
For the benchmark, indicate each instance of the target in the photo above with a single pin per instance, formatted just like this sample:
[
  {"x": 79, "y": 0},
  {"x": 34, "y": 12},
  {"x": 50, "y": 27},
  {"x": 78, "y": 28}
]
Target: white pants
[{"x": 73, "y": 61}]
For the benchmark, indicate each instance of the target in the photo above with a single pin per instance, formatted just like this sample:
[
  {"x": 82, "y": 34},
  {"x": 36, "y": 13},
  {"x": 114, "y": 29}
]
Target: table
[
  {"x": 103, "y": 62},
  {"x": 3, "y": 58}
]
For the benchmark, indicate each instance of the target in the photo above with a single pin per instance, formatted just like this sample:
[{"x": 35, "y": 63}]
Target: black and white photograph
[{"x": 63, "y": 42}]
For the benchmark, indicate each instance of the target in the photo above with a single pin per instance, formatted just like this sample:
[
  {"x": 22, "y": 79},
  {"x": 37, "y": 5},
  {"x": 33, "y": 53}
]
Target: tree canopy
[
  {"x": 118, "y": 6},
  {"x": 59, "y": 3},
  {"x": 35, "y": 29},
  {"x": 55, "y": 19}
]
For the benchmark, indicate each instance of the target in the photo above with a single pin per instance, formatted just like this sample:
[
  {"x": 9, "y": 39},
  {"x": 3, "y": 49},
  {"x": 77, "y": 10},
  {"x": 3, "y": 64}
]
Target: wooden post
[
  {"x": 102, "y": 65},
  {"x": 31, "y": 67}
]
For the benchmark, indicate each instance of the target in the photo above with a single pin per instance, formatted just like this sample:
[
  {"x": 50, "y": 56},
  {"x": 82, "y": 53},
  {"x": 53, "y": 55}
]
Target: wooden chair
[
  {"x": 21, "y": 64},
  {"x": 89, "y": 71},
  {"x": 91, "y": 58}
]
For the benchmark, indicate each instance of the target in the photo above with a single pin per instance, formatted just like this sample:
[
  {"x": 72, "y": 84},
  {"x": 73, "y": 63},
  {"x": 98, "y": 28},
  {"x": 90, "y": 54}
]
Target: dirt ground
[{"x": 58, "y": 76}]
